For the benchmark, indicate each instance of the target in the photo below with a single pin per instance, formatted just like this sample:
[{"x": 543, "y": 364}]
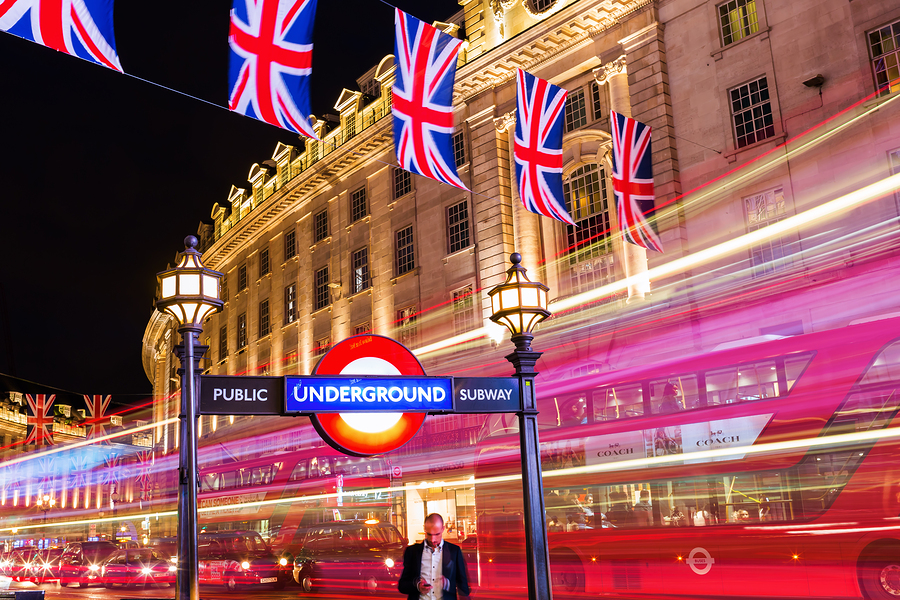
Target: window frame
[
  {"x": 750, "y": 110},
  {"x": 242, "y": 338},
  {"x": 405, "y": 253},
  {"x": 466, "y": 230},
  {"x": 291, "y": 314},
  {"x": 359, "y": 259},
  {"x": 265, "y": 266},
  {"x": 290, "y": 244},
  {"x": 243, "y": 283},
  {"x": 401, "y": 181},
  {"x": 752, "y": 26},
  {"x": 873, "y": 58},
  {"x": 359, "y": 204},
  {"x": 223, "y": 342},
  {"x": 265, "y": 327},
  {"x": 320, "y": 226},
  {"x": 575, "y": 120},
  {"x": 321, "y": 297}
]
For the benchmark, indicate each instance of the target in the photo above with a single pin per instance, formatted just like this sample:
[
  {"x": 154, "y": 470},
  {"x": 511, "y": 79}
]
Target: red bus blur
[{"x": 657, "y": 481}]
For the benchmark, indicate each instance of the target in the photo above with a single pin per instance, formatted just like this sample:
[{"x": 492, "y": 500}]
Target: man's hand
[{"x": 423, "y": 586}]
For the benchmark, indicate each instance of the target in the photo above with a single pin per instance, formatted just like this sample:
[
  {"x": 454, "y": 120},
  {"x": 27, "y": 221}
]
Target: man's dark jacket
[{"x": 452, "y": 563}]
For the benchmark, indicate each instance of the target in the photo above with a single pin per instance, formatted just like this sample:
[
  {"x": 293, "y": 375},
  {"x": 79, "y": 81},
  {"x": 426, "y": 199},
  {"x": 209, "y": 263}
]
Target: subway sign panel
[{"x": 317, "y": 394}]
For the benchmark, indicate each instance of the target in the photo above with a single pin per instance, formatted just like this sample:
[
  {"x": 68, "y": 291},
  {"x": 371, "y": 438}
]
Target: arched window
[{"x": 589, "y": 245}]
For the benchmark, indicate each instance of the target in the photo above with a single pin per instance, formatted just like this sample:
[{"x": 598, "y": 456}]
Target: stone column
[
  {"x": 526, "y": 229},
  {"x": 615, "y": 74}
]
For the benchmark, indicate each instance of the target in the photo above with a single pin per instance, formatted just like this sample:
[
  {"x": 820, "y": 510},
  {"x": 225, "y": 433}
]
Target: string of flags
[{"x": 270, "y": 66}]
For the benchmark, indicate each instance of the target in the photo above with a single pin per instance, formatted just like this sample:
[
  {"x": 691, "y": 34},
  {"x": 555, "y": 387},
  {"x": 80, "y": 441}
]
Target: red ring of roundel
[{"x": 334, "y": 430}]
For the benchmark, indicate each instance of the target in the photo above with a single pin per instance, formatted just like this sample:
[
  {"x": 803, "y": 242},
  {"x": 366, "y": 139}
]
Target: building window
[
  {"x": 459, "y": 148},
  {"x": 590, "y": 254},
  {"x": 541, "y": 6},
  {"x": 242, "y": 331},
  {"x": 290, "y": 361},
  {"x": 407, "y": 329},
  {"x": 358, "y": 205},
  {"x": 258, "y": 195},
  {"x": 738, "y": 20},
  {"x": 264, "y": 318},
  {"x": 242, "y": 278},
  {"x": 284, "y": 173},
  {"x": 402, "y": 182},
  {"x": 361, "y": 329},
  {"x": 406, "y": 256},
  {"x": 751, "y": 112},
  {"x": 597, "y": 100},
  {"x": 224, "y": 288},
  {"x": 290, "y": 304},
  {"x": 576, "y": 112},
  {"x": 458, "y": 226},
  {"x": 320, "y": 225},
  {"x": 350, "y": 125},
  {"x": 884, "y": 46},
  {"x": 372, "y": 88},
  {"x": 763, "y": 210},
  {"x": 264, "y": 262},
  {"x": 321, "y": 346},
  {"x": 223, "y": 342},
  {"x": 322, "y": 296},
  {"x": 463, "y": 310},
  {"x": 360, "y": 265},
  {"x": 290, "y": 244}
]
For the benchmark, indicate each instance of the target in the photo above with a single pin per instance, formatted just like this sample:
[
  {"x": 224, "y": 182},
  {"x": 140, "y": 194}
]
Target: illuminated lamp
[
  {"x": 519, "y": 303},
  {"x": 189, "y": 291}
]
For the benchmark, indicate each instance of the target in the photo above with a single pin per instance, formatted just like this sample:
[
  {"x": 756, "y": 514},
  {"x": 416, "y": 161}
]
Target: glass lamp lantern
[
  {"x": 189, "y": 291},
  {"x": 519, "y": 303}
]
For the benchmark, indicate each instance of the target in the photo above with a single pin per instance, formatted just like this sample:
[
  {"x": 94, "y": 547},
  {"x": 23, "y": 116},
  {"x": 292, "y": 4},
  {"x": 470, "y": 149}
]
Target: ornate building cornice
[
  {"x": 575, "y": 30},
  {"x": 505, "y": 121}
]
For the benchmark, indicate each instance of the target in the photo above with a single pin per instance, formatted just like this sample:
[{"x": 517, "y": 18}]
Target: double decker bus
[{"x": 766, "y": 469}]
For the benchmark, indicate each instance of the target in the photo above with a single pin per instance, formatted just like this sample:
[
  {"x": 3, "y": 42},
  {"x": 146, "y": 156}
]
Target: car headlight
[
  {"x": 245, "y": 565},
  {"x": 283, "y": 562},
  {"x": 172, "y": 568},
  {"x": 389, "y": 563},
  {"x": 94, "y": 568}
]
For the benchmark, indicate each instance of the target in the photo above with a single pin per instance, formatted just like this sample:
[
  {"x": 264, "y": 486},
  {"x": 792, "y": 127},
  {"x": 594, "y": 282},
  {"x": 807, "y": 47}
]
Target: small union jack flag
[
  {"x": 540, "y": 109},
  {"x": 80, "y": 476},
  {"x": 633, "y": 181},
  {"x": 82, "y": 28},
  {"x": 39, "y": 427},
  {"x": 145, "y": 468},
  {"x": 45, "y": 468},
  {"x": 97, "y": 419},
  {"x": 271, "y": 61},
  {"x": 111, "y": 473},
  {"x": 423, "y": 99}
]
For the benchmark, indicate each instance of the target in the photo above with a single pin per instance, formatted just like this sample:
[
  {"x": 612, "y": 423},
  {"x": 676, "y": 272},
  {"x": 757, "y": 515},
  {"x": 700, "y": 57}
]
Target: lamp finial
[{"x": 190, "y": 242}]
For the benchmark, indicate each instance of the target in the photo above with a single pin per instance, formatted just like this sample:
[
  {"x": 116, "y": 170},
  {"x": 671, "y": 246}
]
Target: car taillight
[
  {"x": 283, "y": 562},
  {"x": 245, "y": 565}
]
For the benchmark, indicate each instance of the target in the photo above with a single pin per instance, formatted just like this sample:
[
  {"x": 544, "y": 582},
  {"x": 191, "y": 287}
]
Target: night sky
[{"x": 103, "y": 175}]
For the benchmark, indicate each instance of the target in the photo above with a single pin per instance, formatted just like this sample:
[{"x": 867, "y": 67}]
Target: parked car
[
  {"x": 5, "y": 562},
  {"x": 81, "y": 561},
  {"x": 44, "y": 565},
  {"x": 165, "y": 547},
  {"x": 137, "y": 567},
  {"x": 359, "y": 555},
  {"x": 240, "y": 558}
]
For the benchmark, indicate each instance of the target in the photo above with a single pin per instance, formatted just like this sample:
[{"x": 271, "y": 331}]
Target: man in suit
[{"x": 434, "y": 570}]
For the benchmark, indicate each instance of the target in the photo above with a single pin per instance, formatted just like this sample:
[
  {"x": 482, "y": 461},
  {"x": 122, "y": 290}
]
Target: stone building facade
[{"x": 761, "y": 110}]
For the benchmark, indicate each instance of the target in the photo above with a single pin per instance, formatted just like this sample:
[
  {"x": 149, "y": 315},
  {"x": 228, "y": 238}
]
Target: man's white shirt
[{"x": 432, "y": 571}]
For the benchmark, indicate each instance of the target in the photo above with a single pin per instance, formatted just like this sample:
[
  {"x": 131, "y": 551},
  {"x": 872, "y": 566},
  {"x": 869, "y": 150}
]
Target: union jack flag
[
  {"x": 540, "y": 109},
  {"x": 271, "y": 61},
  {"x": 39, "y": 427},
  {"x": 45, "y": 474},
  {"x": 97, "y": 419},
  {"x": 81, "y": 472},
  {"x": 111, "y": 473},
  {"x": 145, "y": 468},
  {"x": 82, "y": 28},
  {"x": 633, "y": 181},
  {"x": 423, "y": 99}
]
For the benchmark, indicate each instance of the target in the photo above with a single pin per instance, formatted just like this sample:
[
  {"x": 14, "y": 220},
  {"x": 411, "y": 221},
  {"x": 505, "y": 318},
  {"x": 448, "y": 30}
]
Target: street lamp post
[
  {"x": 45, "y": 503},
  {"x": 521, "y": 304},
  {"x": 190, "y": 293}
]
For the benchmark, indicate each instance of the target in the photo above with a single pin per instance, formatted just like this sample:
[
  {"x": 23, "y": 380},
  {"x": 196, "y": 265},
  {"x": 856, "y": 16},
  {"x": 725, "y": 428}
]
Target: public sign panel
[
  {"x": 229, "y": 395},
  {"x": 485, "y": 394}
]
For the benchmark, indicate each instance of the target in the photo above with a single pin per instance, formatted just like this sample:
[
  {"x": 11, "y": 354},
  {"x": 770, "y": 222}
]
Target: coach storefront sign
[
  {"x": 228, "y": 395},
  {"x": 368, "y": 394}
]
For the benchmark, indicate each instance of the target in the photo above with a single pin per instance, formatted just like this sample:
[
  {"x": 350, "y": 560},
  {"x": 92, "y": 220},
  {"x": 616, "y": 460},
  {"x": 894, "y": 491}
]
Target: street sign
[
  {"x": 485, "y": 394},
  {"x": 317, "y": 394},
  {"x": 230, "y": 395},
  {"x": 397, "y": 471}
]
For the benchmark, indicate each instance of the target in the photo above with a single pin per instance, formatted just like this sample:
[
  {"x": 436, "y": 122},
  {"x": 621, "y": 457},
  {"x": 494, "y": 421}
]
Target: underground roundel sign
[{"x": 365, "y": 434}]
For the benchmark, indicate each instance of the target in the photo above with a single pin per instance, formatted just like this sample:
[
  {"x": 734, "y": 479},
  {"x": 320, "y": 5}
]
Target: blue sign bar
[{"x": 317, "y": 394}]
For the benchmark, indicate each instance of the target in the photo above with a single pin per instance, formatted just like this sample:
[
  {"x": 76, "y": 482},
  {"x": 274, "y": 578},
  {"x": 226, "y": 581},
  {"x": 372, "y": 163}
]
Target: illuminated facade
[{"x": 760, "y": 111}]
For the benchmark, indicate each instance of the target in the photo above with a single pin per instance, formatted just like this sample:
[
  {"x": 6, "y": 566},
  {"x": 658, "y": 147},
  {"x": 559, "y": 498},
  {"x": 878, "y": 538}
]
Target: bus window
[
  {"x": 743, "y": 383},
  {"x": 821, "y": 477},
  {"x": 618, "y": 402},
  {"x": 675, "y": 393},
  {"x": 794, "y": 365},
  {"x": 300, "y": 470},
  {"x": 572, "y": 410},
  {"x": 209, "y": 482},
  {"x": 324, "y": 466},
  {"x": 885, "y": 368},
  {"x": 499, "y": 425},
  {"x": 865, "y": 410}
]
